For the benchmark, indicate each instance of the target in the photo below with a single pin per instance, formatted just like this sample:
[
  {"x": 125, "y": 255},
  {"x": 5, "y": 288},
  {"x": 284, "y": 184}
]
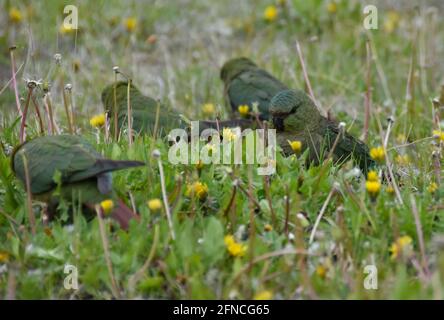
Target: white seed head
[
  {"x": 156, "y": 153},
  {"x": 58, "y": 58}
]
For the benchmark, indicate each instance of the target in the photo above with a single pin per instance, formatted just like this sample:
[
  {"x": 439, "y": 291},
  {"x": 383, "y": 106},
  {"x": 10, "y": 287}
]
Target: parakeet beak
[{"x": 278, "y": 123}]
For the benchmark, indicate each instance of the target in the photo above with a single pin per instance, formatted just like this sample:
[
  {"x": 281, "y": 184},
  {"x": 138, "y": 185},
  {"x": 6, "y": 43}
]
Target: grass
[{"x": 271, "y": 218}]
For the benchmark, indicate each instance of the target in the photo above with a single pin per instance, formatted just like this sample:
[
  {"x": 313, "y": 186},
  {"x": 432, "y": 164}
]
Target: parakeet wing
[
  {"x": 72, "y": 156},
  {"x": 254, "y": 86},
  {"x": 348, "y": 146}
]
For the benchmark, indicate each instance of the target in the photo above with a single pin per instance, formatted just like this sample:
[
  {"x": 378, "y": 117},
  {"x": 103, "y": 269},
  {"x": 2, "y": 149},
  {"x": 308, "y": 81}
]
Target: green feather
[
  {"x": 295, "y": 117},
  {"x": 246, "y": 83},
  {"x": 71, "y": 155}
]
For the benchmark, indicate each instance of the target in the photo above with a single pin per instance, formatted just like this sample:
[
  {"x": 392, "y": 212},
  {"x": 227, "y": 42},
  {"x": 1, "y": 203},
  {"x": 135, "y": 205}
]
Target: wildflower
[
  {"x": 402, "y": 160},
  {"x": 402, "y": 246},
  {"x": 107, "y": 206},
  {"x": 321, "y": 271},
  {"x": 198, "y": 189},
  {"x": 234, "y": 248},
  {"x": 373, "y": 188},
  {"x": 243, "y": 110},
  {"x": 377, "y": 154},
  {"x": 208, "y": 109},
  {"x": 228, "y": 240},
  {"x": 295, "y": 145},
  {"x": 4, "y": 257},
  {"x": 263, "y": 295},
  {"x": 372, "y": 176},
  {"x": 270, "y": 13},
  {"x": 391, "y": 22},
  {"x": 151, "y": 39},
  {"x": 97, "y": 120},
  {"x": 130, "y": 24},
  {"x": 210, "y": 148},
  {"x": 76, "y": 65},
  {"x": 332, "y": 7},
  {"x": 66, "y": 28},
  {"x": 439, "y": 135},
  {"x": 432, "y": 187},
  {"x": 228, "y": 134},
  {"x": 199, "y": 165},
  {"x": 268, "y": 227},
  {"x": 401, "y": 138},
  {"x": 390, "y": 190},
  {"x": 15, "y": 15},
  {"x": 154, "y": 204},
  {"x": 47, "y": 231}
]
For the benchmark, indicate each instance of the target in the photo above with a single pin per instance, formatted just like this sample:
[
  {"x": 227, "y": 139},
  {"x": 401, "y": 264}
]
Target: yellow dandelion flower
[
  {"x": 97, "y": 120},
  {"x": 199, "y": 165},
  {"x": 107, "y": 206},
  {"x": 4, "y": 257},
  {"x": 198, "y": 189},
  {"x": 295, "y": 145},
  {"x": 270, "y": 13},
  {"x": 439, "y": 135},
  {"x": 15, "y": 15},
  {"x": 391, "y": 21},
  {"x": 402, "y": 160},
  {"x": 243, "y": 110},
  {"x": 401, "y": 138},
  {"x": 234, "y": 248},
  {"x": 402, "y": 246},
  {"x": 432, "y": 187},
  {"x": 228, "y": 134},
  {"x": 377, "y": 154},
  {"x": 373, "y": 188},
  {"x": 154, "y": 204},
  {"x": 130, "y": 24},
  {"x": 211, "y": 148},
  {"x": 321, "y": 271},
  {"x": 229, "y": 239},
  {"x": 268, "y": 227},
  {"x": 332, "y": 7},
  {"x": 208, "y": 109},
  {"x": 263, "y": 295},
  {"x": 237, "y": 249},
  {"x": 390, "y": 190},
  {"x": 372, "y": 176},
  {"x": 66, "y": 28}
]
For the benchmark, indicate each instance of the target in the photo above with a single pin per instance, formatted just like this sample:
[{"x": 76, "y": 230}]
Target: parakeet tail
[{"x": 107, "y": 165}]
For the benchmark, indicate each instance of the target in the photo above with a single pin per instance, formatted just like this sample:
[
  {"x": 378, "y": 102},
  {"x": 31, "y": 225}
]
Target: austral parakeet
[
  {"x": 246, "y": 83},
  {"x": 295, "y": 117},
  {"x": 85, "y": 175},
  {"x": 143, "y": 110},
  {"x": 144, "y": 113}
]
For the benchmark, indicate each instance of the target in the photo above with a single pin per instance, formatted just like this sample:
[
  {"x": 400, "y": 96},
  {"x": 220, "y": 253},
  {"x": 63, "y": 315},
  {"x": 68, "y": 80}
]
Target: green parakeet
[
  {"x": 246, "y": 83},
  {"x": 85, "y": 175},
  {"x": 144, "y": 112},
  {"x": 295, "y": 117}
]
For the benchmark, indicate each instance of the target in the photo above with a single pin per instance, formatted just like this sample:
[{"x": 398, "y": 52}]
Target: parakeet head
[
  {"x": 285, "y": 104},
  {"x": 233, "y": 67}
]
